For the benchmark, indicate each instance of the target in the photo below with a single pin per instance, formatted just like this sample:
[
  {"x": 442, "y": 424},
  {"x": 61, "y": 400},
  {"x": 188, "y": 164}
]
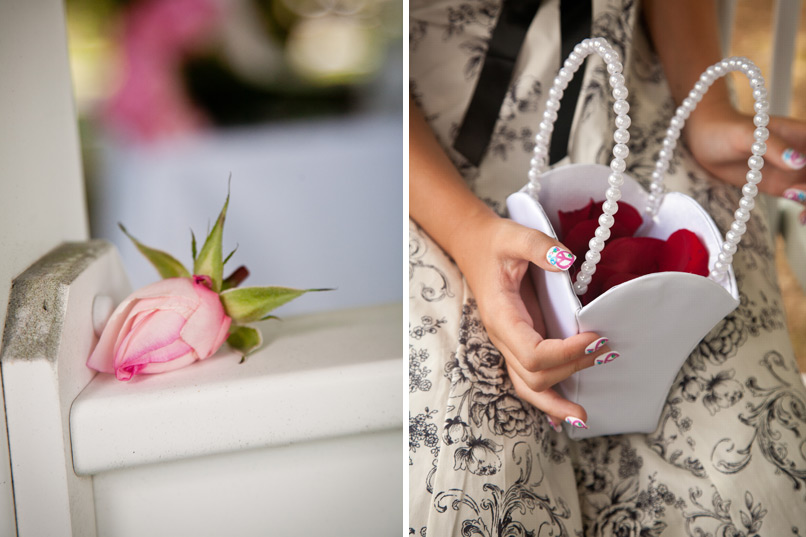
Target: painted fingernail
[
  {"x": 795, "y": 194},
  {"x": 576, "y": 422},
  {"x": 794, "y": 159},
  {"x": 803, "y": 217},
  {"x": 596, "y": 345},
  {"x": 562, "y": 259},
  {"x": 607, "y": 358},
  {"x": 557, "y": 428}
]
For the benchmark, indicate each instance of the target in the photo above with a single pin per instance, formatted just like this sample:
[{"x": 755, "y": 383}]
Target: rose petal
[
  {"x": 152, "y": 332},
  {"x": 684, "y": 252},
  {"x": 569, "y": 219},
  {"x": 204, "y": 326},
  {"x": 632, "y": 255},
  {"x": 627, "y": 216},
  {"x": 173, "y": 356},
  {"x": 102, "y": 357}
]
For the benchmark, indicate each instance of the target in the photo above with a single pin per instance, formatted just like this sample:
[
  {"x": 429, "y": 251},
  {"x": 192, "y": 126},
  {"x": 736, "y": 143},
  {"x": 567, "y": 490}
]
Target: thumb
[
  {"x": 544, "y": 251},
  {"x": 785, "y": 157}
]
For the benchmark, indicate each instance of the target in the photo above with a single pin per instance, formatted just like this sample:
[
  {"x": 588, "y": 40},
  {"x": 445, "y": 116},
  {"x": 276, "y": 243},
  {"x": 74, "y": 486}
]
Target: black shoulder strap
[{"x": 506, "y": 41}]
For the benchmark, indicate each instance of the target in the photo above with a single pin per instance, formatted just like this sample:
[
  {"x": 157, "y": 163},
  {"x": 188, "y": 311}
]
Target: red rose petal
[
  {"x": 580, "y": 235},
  {"x": 569, "y": 219},
  {"x": 684, "y": 252},
  {"x": 627, "y": 216},
  {"x": 633, "y": 255}
]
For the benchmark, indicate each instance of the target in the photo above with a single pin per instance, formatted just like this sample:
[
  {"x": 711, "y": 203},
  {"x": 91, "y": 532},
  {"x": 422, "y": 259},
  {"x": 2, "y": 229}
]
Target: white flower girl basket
[{"x": 656, "y": 320}]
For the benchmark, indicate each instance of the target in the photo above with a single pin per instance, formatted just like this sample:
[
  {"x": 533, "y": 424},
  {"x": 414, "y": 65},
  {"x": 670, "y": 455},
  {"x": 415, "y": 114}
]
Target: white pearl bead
[
  {"x": 732, "y": 237},
  {"x": 711, "y": 72},
  {"x": 745, "y": 203},
  {"x": 621, "y": 136},
  {"x": 541, "y": 151},
  {"x": 609, "y": 207},
  {"x": 617, "y": 80},
  {"x": 608, "y": 57},
  {"x": 755, "y": 162},
  {"x": 551, "y": 104},
  {"x": 533, "y": 174},
  {"x": 575, "y": 57},
  {"x": 759, "y": 148},
  {"x": 761, "y": 134},
  {"x": 584, "y": 278},
  {"x": 533, "y": 190},
  {"x": 761, "y": 105},
  {"x": 621, "y": 107},
  {"x": 760, "y": 93},
  {"x": 555, "y": 93},
  {"x": 657, "y": 176},
  {"x": 664, "y": 154},
  {"x": 739, "y": 227},
  {"x": 761, "y": 119},
  {"x": 661, "y": 165},
  {"x": 725, "y": 258},
  {"x": 615, "y": 179},
  {"x": 720, "y": 268},
  {"x": 606, "y": 220},
  {"x": 742, "y": 215},
  {"x": 676, "y": 123},
  {"x": 596, "y": 244},
  {"x": 564, "y": 74},
  {"x": 580, "y": 288},
  {"x": 656, "y": 188},
  {"x": 597, "y": 42},
  {"x": 753, "y": 176},
  {"x": 614, "y": 68},
  {"x": 669, "y": 143},
  {"x": 613, "y": 194},
  {"x": 729, "y": 248},
  {"x": 620, "y": 92},
  {"x": 757, "y": 82},
  {"x": 580, "y": 49},
  {"x": 682, "y": 113},
  {"x": 623, "y": 122},
  {"x": 621, "y": 151},
  {"x": 602, "y": 233},
  {"x": 550, "y": 115},
  {"x": 707, "y": 79},
  {"x": 673, "y": 132},
  {"x": 719, "y": 70},
  {"x": 733, "y": 63},
  {"x": 695, "y": 97},
  {"x": 560, "y": 83},
  {"x": 537, "y": 162},
  {"x": 618, "y": 165},
  {"x": 592, "y": 257},
  {"x": 700, "y": 87},
  {"x": 688, "y": 103}
]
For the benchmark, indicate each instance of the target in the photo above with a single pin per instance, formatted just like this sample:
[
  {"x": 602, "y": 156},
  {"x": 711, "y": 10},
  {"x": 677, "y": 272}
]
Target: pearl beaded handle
[
  {"x": 755, "y": 162},
  {"x": 539, "y": 161}
]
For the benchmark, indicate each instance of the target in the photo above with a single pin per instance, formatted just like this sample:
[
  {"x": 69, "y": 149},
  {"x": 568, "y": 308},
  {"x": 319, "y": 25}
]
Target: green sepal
[
  {"x": 249, "y": 304},
  {"x": 193, "y": 245},
  {"x": 165, "y": 263},
  {"x": 245, "y": 340},
  {"x": 209, "y": 262}
]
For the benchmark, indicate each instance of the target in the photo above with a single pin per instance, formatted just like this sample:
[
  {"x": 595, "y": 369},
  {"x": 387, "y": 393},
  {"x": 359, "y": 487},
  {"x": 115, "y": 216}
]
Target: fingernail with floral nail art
[
  {"x": 557, "y": 428},
  {"x": 562, "y": 259},
  {"x": 607, "y": 358},
  {"x": 596, "y": 345},
  {"x": 795, "y": 194},
  {"x": 794, "y": 159},
  {"x": 576, "y": 422}
]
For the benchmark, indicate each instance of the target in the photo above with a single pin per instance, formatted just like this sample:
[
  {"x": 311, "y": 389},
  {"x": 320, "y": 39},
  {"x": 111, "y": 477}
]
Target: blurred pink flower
[
  {"x": 157, "y": 35},
  {"x": 162, "y": 327}
]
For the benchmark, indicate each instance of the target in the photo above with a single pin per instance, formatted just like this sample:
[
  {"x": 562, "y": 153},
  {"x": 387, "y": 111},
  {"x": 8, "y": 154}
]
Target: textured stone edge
[{"x": 38, "y": 300}]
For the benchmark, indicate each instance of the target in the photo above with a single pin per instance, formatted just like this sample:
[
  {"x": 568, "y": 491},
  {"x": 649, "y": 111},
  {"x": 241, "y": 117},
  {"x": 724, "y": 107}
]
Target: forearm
[
  {"x": 685, "y": 35},
  {"x": 439, "y": 199}
]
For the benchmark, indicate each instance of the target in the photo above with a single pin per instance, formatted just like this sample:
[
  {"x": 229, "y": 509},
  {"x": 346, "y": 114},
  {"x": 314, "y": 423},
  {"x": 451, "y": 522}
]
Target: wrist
[{"x": 467, "y": 235}]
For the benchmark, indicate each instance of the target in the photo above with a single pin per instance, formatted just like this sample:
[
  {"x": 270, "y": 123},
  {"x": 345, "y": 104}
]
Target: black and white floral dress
[{"x": 728, "y": 457}]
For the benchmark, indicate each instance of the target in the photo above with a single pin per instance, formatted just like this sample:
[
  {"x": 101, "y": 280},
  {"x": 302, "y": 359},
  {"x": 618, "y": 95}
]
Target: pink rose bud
[{"x": 161, "y": 327}]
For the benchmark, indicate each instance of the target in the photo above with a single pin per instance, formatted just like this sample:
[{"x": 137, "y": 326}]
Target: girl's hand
[
  {"x": 494, "y": 255},
  {"x": 720, "y": 140}
]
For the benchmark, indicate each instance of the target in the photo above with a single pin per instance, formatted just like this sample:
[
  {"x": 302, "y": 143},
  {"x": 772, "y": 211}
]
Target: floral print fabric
[{"x": 728, "y": 457}]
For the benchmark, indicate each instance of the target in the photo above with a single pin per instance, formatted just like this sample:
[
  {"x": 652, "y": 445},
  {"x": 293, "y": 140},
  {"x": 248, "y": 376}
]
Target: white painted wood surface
[
  {"x": 41, "y": 190},
  {"x": 338, "y": 487},
  {"x": 46, "y": 339},
  {"x": 317, "y": 376}
]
